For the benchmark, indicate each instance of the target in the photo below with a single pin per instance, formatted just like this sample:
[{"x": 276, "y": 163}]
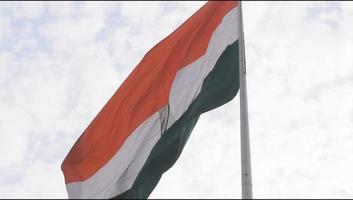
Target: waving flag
[{"x": 141, "y": 131}]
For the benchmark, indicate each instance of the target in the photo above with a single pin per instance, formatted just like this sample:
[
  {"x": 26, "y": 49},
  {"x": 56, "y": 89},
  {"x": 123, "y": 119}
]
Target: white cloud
[
  {"x": 5, "y": 27},
  {"x": 23, "y": 10},
  {"x": 40, "y": 180},
  {"x": 137, "y": 12},
  {"x": 61, "y": 9}
]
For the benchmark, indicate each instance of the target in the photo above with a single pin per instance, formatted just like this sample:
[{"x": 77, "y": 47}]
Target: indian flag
[{"x": 141, "y": 131}]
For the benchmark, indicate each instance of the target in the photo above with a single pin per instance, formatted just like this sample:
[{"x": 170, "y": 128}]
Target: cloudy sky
[{"x": 61, "y": 61}]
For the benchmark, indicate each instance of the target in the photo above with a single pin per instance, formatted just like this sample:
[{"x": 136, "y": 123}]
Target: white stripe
[
  {"x": 118, "y": 175},
  {"x": 97, "y": 185},
  {"x": 188, "y": 81}
]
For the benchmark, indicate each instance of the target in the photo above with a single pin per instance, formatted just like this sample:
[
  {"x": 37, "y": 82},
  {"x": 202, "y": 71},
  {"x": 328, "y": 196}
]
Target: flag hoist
[{"x": 141, "y": 131}]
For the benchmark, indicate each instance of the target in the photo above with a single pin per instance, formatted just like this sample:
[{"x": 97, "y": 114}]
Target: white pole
[{"x": 244, "y": 123}]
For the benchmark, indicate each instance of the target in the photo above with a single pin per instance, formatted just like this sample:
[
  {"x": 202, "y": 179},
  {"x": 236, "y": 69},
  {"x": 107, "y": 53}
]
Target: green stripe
[{"x": 220, "y": 86}]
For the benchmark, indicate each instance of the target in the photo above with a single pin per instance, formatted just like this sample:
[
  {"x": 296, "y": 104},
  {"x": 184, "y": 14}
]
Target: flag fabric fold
[{"x": 141, "y": 131}]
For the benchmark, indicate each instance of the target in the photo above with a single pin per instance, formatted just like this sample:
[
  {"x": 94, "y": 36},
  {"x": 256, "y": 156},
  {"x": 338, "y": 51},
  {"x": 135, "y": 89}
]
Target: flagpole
[{"x": 246, "y": 182}]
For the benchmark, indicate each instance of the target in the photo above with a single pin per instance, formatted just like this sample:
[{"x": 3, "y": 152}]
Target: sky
[{"x": 60, "y": 62}]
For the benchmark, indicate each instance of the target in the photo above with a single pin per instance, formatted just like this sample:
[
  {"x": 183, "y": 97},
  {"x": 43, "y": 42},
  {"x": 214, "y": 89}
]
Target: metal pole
[{"x": 246, "y": 182}]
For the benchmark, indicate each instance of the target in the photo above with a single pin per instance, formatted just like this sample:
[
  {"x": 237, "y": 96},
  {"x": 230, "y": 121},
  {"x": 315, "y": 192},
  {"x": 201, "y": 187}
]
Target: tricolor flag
[{"x": 141, "y": 131}]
